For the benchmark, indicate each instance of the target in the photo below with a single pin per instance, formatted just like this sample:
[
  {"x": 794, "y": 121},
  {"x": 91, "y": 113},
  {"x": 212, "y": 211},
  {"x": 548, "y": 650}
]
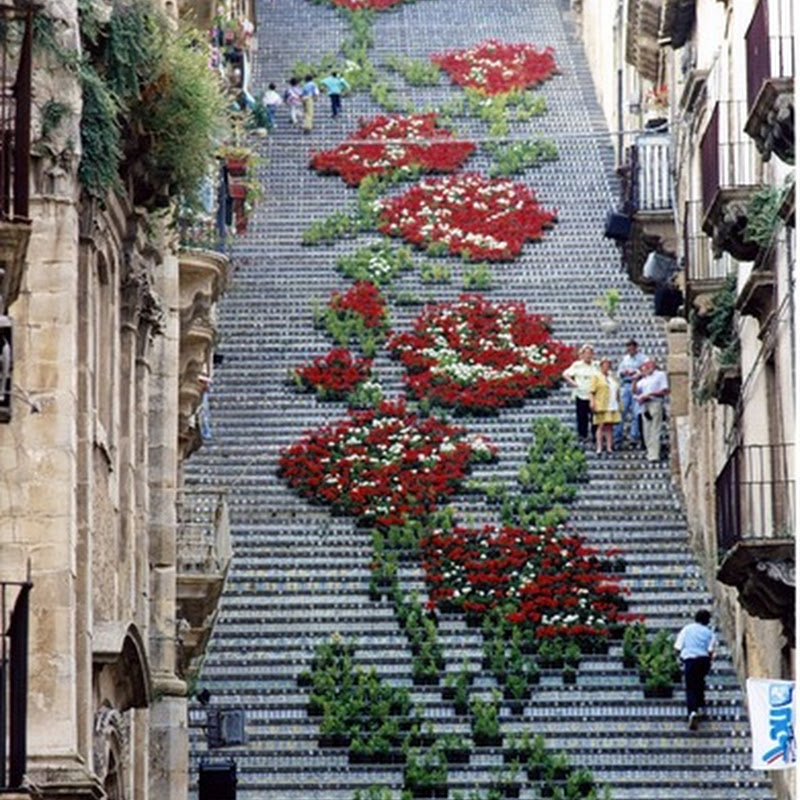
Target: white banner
[{"x": 771, "y": 707}]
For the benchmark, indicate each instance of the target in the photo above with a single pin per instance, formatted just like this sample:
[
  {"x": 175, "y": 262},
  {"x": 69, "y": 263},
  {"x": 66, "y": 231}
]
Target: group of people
[
  {"x": 605, "y": 398},
  {"x": 299, "y": 97}
]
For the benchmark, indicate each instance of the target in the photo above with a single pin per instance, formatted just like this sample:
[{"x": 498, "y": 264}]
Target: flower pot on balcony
[
  {"x": 618, "y": 226},
  {"x": 667, "y": 300}
]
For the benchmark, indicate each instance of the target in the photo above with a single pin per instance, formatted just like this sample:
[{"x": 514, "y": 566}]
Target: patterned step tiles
[{"x": 300, "y": 575}]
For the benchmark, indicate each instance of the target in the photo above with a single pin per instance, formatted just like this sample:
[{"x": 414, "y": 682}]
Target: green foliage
[
  {"x": 53, "y": 112},
  {"x": 101, "y": 149},
  {"x": 486, "y": 717},
  {"x": 383, "y": 94},
  {"x": 516, "y": 157},
  {"x": 435, "y": 273},
  {"x": 135, "y": 40},
  {"x": 609, "y": 302},
  {"x": 184, "y": 116},
  {"x": 378, "y": 263},
  {"x": 415, "y": 72},
  {"x": 763, "y": 218},
  {"x": 718, "y": 325},
  {"x": 478, "y": 276},
  {"x": 553, "y": 466}
]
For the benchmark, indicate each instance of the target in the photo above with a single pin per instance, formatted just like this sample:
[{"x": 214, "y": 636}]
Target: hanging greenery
[{"x": 101, "y": 150}]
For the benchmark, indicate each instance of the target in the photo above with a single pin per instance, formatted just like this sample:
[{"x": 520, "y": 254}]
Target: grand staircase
[{"x": 300, "y": 575}]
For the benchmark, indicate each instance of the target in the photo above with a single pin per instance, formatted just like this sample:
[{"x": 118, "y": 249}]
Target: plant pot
[
  {"x": 488, "y": 741},
  {"x": 658, "y": 691},
  {"x": 569, "y": 678},
  {"x": 334, "y": 740},
  {"x": 618, "y": 226},
  {"x": 237, "y": 191},
  {"x": 426, "y": 680},
  {"x": 236, "y": 166},
  {"x": 609, "y": 325},
  {"x": 457, "y": 756}
]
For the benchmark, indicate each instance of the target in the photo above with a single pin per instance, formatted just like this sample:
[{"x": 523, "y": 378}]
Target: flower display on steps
[
  {"x": 467, "y": 214},
  {"x": 478, "y": 356},
  {"x": 374, "y": 5},
  {"x": 385, "y": 464},
  {"x": 493, "y": 67},
  {"x": 360, "y": 313},
  {"x": 548, "y": 578},
  {"x": 421, "y": 146},
  {"x": 335, "y": 375}
]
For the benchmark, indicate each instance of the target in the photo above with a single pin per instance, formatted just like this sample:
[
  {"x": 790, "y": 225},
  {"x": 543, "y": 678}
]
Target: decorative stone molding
[
  {"x": 203, "y": 276},
  {"x": 643, "y": 30},
  {"x": 763, "y": 572},
  {"x": 120, "y": 649},
  {"x": 771, "y": 120},
  {"x": 757, "y": 297},
  {"x": 726, "y": 222}
]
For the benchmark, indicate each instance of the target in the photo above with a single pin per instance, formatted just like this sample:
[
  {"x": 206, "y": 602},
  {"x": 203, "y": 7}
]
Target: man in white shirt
[
  {"x": 695, "y": 644},
  {"x": 628, "y": 371},
  {"x": 650, "y": 390}
]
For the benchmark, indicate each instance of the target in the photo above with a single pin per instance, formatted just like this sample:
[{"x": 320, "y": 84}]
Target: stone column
[{"x": 169, "y": 739}]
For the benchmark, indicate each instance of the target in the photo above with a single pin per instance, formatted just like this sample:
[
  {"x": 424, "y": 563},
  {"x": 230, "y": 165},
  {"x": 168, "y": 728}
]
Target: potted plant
[
  {"x": 609, "y": 303},
  {"x": 569, "y": 674},
  {"x": 486, "y": 722}
]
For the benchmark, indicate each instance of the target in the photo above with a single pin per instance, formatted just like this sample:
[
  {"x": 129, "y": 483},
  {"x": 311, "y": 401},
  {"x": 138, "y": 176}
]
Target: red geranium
[
  {"x": 335, "y": 375},
  {"x": 476, "y": 355},
  {"x": 385, "y": 464},
  {"x": 420, "y": 145},
  {"x": 494, "y": 67},
  {"x": 546, "y": 578},
  {"x": 468, "y": 214},
  {"x": 375, "y": 5}
]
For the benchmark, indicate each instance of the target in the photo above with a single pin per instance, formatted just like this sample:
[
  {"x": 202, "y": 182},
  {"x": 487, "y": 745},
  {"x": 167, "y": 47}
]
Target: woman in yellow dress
[{"x": 604, "y": 392}]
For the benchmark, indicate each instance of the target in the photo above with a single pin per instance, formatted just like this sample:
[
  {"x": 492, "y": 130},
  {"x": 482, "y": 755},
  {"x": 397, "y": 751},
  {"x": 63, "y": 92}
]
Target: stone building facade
[
  {"x": 112, "y": 329},
  {"x": 699, "y": 96}
]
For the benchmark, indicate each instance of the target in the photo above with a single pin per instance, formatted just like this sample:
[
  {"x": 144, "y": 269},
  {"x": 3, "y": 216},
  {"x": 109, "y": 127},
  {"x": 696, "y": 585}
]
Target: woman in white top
[{"x": 579, "y": 376}]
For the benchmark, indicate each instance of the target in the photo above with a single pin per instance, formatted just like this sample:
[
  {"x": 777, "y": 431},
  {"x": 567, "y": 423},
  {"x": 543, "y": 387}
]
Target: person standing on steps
[
  {"x": 335, "y": 85},
  {"x": 293, "y": 97},
  {"x": 604, "y": 402},
  {"x": 650, "y": 390},
  {"x": 629, "y": 369},
  {"x": 579, "y": 376},
  {"x": 309, "y": 94},
  {"x": 271, "y": 101},
  {"x": 695, "y": 645}
]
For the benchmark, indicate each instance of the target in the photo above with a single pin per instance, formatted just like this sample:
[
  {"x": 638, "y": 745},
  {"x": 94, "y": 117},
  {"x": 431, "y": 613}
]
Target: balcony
[
  {"x": 642, "y": 50},
  {"x": 729, "y": 178},
  {"x": 705, "y": 274},
  {"x": 755, "y": 518},
  {"x": 647, "y": 197},
  {"x": 717, "y": 374},
  {"x": 204, "y": 555},
  {"x": 769, "y": 44},
  {"x": 14, "y": 604},
  {"x": 203, "y": 279},
  {"x": 15, "y": 138}
]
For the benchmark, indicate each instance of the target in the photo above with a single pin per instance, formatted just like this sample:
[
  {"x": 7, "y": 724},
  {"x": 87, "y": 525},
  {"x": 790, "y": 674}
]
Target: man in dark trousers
[{"x": 695, "y": 643}]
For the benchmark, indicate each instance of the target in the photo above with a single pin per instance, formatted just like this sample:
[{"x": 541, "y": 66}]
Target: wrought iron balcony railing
[{"x": 755, "y": 494}]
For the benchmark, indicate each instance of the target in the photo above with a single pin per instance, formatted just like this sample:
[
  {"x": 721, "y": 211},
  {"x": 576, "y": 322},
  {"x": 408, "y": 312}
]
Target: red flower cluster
[
  {"x": 336, "y": 374},
  {"x": 420, "y": 145},
  {"x": 385, "y": 464},
  {"x": 363, "y": 300},
  {"x": 548, "y": 579},
  {"x": 468, "y": 214},
  {"x": 375, "y": 5},
  {"x": 494, "y": 67},
  {"x": 476, "y": 355}
]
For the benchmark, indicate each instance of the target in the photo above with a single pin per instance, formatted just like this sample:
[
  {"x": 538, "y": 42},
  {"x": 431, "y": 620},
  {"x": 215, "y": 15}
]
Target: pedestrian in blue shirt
[
  {"x": 335, "y": 86},
  {"x": 695, "y": 644}
]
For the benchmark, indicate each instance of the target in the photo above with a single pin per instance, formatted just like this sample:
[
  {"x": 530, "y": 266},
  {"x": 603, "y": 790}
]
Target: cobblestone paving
[{"x": 300, "y": 575}]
